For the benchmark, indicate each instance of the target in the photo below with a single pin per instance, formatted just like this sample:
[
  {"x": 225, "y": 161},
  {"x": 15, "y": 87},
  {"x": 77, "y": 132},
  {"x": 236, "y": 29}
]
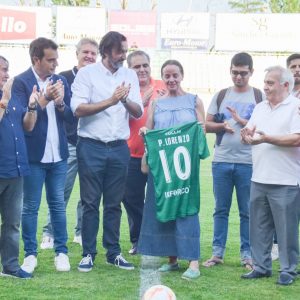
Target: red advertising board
[
  {"x": 138, "y": 27},
  {"x": 17, "y": 25}
]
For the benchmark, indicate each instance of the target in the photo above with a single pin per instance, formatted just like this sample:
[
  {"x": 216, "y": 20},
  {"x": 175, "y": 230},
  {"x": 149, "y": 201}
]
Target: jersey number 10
[{"x": 182, "y": 172}]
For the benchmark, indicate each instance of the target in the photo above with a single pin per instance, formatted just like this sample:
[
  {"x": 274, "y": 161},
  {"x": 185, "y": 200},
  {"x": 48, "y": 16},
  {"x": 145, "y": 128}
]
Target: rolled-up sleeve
[{"x": 81, "y": 89}]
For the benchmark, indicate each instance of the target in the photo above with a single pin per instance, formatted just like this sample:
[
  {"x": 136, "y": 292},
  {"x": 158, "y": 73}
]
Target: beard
[{"x": 116, "y": 64}]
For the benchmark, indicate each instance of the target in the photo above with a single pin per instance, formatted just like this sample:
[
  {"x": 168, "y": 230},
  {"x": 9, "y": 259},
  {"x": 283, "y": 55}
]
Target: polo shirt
[
  {"x": 276, "y": 164},
  {"x": 94, "y": 83},
  {"x": 135, "y": 141},
  {"x": 13, "y": 153}
]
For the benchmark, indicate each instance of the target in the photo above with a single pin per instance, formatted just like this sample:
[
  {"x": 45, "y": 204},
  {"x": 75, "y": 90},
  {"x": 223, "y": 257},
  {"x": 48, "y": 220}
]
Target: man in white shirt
[
  {"x": 274, "y": 132},
  {"x": 104, "y": 95}
]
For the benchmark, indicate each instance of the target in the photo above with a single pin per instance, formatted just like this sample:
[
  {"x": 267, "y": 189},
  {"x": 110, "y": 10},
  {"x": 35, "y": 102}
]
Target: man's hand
[
  {"x": 121, "y": 92},
  {"x": 143, "y": 130},
  {"x": 236, "y": 117},
  {"x": 34, "y": 97},
  {"x": 252, "y": 136},
  {"x": 147, "y": 96},
  {"x": 7, "y": 91},
  {"x": 228, "y": 128}
]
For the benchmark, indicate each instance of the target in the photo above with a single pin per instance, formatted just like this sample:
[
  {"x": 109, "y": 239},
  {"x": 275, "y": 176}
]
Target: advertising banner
[
  {"x": 258, "y": 32},
  {"x": 184, "y": 31},
  {"x": 139, "y": 27},
  {"x": 21, "y": 25},
  {"x": 75, "y": 23}
]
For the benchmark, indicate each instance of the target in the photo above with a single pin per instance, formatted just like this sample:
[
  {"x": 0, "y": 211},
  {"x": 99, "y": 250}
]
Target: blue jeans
[
  {"x": 54, "y": 176},
  {"x": 134, "y": 197},
  {"x": 227, "y": 176},
  {"x": 10, "y": 210},
  {"x": 70, "y": 180},
  {"x": 102, "y": 170}
]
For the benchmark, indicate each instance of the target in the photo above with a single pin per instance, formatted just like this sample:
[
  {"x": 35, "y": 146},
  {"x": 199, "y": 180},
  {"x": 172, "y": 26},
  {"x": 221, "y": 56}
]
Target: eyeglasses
[{"x": 242, "y": 73}]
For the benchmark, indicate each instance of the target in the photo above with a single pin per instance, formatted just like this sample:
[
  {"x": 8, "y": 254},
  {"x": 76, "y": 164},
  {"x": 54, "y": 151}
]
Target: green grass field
[{"x": 109, "y": 283}]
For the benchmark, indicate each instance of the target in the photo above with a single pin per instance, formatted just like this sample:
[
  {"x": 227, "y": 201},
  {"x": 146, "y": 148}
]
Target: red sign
[
  {"x": 17, "y": 25},
  {"x": 138, "y": 27}
]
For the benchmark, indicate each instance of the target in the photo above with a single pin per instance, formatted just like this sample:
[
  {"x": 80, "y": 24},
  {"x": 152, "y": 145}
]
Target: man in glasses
[{"x": 228, "y": 113}]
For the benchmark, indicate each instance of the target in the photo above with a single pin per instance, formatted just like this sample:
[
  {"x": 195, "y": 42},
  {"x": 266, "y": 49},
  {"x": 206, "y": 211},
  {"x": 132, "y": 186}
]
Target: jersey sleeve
[{"x": 203, "y": 148}]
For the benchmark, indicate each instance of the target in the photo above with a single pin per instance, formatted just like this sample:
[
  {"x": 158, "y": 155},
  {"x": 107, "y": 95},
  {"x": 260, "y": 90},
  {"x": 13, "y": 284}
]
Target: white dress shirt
[{"x": 94, "y": 83}]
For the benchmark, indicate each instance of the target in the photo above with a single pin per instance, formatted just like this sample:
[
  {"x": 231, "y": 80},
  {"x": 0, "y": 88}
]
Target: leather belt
[{"x": 115, "y": 143}]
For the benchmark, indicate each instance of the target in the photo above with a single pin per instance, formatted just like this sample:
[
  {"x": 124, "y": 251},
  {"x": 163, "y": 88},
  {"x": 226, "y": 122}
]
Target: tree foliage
[
  {"x": 248, "y": 6},
  {"x": 284, "y": 6},
  {"x": 71, "y": 2}
]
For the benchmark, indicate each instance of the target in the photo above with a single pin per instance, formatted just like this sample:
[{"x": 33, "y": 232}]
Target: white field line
[{"x": 149, "y": 274}]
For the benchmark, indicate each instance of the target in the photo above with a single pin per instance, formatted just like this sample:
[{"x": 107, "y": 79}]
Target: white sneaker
[
  {"x": 77, "y": 239},
  {"x": 29, "y": 264},
  {"x": 275, "y": 253},
  {"x": 47, "y": 242},
  {"x": 61, "y": 262}
]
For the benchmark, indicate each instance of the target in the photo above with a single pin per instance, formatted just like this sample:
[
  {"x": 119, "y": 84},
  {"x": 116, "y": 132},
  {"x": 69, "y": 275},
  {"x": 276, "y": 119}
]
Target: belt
[{"x": 115, "y": 143}]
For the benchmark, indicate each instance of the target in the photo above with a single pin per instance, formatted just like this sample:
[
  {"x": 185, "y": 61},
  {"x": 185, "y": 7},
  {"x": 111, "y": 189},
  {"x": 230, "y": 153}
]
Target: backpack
[
  {"x": 257, "y": 95},
  {"x": 219, "y": 117}
]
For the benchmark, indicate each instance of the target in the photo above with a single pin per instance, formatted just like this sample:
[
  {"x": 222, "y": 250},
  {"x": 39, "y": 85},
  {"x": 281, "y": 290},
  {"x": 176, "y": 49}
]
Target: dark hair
[
  {"x": 172, "y": 62},
  {"x": 4, "y": 59},
  {"x": 111, "y": 40},
  {"x": 137, "y": 53},
  {"x": 242, "y": 59},
  {"x": 37, "y": 47},
  {"x": 292, "y": 57}
]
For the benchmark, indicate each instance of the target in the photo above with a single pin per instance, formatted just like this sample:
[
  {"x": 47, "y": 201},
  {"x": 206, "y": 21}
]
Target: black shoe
[
  {"x": 255, "y": 274},
  {"x": 285, "y": 279}
]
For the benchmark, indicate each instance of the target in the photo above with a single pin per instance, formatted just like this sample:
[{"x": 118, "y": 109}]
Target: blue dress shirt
[{"x": 13, "y": 153}]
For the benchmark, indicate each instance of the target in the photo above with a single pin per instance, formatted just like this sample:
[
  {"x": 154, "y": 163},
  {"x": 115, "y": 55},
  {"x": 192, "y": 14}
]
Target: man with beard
[
  {"x": 104, "y": 95},
  {"x": 293, "y": 63}
]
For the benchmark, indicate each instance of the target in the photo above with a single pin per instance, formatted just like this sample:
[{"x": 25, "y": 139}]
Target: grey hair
[
  {"x": 137, "y": 53},
  {"x": 4, "y": 59},
  {"x": 85, "y": 41},
  {"x": 285, "y": 75}
]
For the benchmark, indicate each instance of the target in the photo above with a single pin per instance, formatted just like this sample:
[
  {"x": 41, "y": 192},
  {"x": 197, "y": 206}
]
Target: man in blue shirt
[
  {"x": 47, "y": 151},
  {"x": 14, "y": 165},
  {"x": 86, "y": 52}
]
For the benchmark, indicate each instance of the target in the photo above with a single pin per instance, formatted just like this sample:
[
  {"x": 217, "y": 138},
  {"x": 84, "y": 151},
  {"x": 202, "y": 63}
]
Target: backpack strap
[
  {"x": 220, "y": 97},
  {"x": 257, "y": 95}
]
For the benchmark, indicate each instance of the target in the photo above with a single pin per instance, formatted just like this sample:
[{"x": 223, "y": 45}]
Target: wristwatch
[{"x": 61, "y": 105}]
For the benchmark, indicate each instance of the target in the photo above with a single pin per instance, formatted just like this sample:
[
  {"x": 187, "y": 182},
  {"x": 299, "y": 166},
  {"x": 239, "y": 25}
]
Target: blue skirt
[{"x": 179, "y": 238}]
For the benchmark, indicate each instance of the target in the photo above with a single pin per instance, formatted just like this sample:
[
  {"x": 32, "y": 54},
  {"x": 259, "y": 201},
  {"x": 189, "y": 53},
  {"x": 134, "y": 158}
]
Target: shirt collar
[
  {"x": 286, "y": 101},
  {"x": 39, "y": 80},
  {"x": 108, "y": 72}
]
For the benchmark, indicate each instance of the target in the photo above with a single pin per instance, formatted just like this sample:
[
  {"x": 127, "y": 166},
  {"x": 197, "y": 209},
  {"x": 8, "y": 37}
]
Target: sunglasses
[{"x": 242, "y": 73}]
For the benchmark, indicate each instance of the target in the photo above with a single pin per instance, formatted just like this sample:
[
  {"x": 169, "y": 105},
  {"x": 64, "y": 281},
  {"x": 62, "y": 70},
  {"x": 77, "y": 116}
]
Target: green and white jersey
[{"x": 173, "y": 157}]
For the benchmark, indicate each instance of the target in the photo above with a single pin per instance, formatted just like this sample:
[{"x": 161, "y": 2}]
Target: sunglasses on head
[{"x": 242, "y": 73}]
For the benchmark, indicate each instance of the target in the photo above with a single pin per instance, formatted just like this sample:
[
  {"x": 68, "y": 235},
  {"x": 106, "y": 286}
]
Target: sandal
[
  {"x": 190, "y": 274},
  {"x": 247, "y": 263},
  {"x": 213, "y": 262}
]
